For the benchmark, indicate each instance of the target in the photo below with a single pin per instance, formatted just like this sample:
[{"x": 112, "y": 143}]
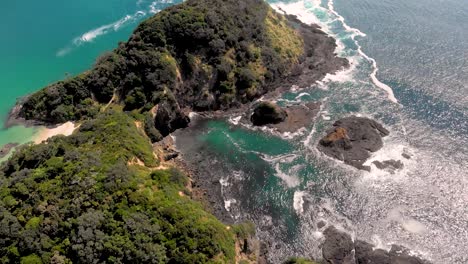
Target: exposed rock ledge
[{"x": 289, "y": 119}]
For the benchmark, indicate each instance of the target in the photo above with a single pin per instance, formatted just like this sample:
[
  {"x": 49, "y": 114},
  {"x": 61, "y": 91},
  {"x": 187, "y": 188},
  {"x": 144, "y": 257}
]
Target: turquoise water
[
  {"x": 281, "y": 182},
  {"x": 41, "y": 44}
]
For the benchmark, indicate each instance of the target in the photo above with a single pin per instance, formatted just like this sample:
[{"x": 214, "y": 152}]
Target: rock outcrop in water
[
  {"x": 268, "y": 113},
  {"x": 352, "y": 139},
  {"x": 339, "y": 248}
]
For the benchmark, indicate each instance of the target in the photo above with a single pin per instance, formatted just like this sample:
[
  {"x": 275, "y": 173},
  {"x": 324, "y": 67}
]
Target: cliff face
[{"x": 202, "y": 55}]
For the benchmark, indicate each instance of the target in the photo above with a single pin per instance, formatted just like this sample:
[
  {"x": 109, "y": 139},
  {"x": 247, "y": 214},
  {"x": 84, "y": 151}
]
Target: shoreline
[{"x": 45, "y": 133}]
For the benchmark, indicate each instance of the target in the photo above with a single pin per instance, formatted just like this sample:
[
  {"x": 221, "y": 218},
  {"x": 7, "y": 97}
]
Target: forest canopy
[
  {"x": 82, "y": 199},
  {"x": 203, "y": 55}
]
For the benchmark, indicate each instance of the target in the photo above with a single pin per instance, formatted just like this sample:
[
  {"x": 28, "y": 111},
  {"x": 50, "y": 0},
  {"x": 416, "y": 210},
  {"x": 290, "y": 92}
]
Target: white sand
[{"x": 45, "y": 133}]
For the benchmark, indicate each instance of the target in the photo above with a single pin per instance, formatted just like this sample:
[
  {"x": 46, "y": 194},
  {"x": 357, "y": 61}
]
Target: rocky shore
[{"x": 340, "y": 248}]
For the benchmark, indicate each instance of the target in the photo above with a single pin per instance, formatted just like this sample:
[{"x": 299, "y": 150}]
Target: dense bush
[
  {"x": 207, "y": 54},
  {"x": 80, "y": 199}
]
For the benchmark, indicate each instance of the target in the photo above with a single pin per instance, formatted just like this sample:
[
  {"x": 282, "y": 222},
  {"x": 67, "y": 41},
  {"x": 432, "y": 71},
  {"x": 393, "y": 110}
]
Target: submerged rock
[
  {"x": 351, "y": 140},
  {"x": 339, "y": 248},
  {"x": 391, "y": 165},
  {"x": 6, "y": 149},
  {"x": 268, "y": 113}
]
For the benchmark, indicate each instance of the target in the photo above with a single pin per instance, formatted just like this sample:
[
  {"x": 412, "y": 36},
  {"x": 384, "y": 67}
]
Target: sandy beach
[{"x": 64, "y": 129}]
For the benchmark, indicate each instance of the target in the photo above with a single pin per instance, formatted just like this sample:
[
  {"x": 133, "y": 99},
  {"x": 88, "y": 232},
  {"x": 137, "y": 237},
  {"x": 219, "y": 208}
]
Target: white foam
[
  {"x": 301, "y": 95},
  {"x": 224, "y": 182},
  {"x": 291, "y": 135},
  {"x": 309, "y": 137},
  {"x": 291, "y": 181},
  {"x": 235, "y": 120},
  {"x": 345, "y": 75},
  {"x": 153, "y": 9},
  {"x": 193, "y": 115},
  {"x": 94, "y": 33},
  {"x": 298, "y": 202},
  {"x": 91, "y": 35},
  {"x": 408, "y": 223},
  {"x": 298, "y": 9},
  {"x": 331, "y": 8},
  {"x": 228, "y": 203},
  {"x": 379, "y": 244},
  {"x": 287, "y": 158},
  {"x": 374, "y": 79},
  {"x": 392, "y": 150}
]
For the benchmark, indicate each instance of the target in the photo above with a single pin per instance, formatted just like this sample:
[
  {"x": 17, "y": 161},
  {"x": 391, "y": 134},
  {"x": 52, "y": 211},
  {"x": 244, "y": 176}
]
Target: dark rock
[
  {"x": 388, "y": 164},
  {"x": 263, "y": 254},
  {"x": 321, "y": 224},
  {"x": 170, "y": 156},
  {"x": 406, "y": 156},
  {"x": 366, "y": 254},
  {"x": 338, "y": 247},
  {"x": 6, "y": 149},
  {"x": 298, "y": 116},
  {"x": 351, "y": 140},
  {"x": 268, "y": 113},
  {"x": 169, "y": 118}
]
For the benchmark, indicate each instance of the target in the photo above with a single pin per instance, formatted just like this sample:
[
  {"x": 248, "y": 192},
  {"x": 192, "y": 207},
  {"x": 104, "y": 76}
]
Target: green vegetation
[
  {"x": 202, "y": 54},
  {"x": 80, "y": 199},
  {"x": 284, "y": 39}
]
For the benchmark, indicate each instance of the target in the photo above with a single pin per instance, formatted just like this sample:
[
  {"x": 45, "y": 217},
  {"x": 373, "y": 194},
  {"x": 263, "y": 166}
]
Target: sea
[{"x": 409, "y": 71}]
